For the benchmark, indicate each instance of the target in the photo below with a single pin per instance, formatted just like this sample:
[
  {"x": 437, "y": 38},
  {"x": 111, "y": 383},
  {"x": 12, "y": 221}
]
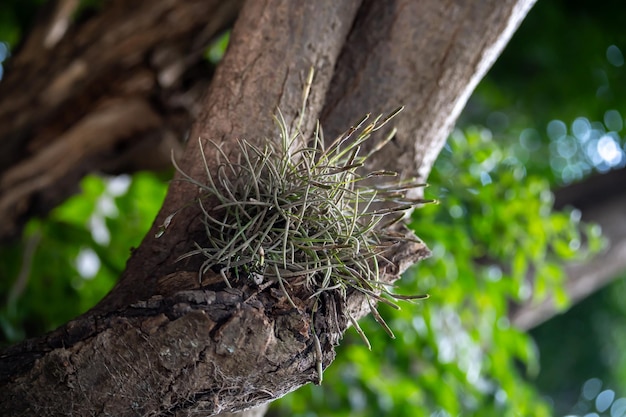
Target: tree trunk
[{"x": 160, "y": 343}]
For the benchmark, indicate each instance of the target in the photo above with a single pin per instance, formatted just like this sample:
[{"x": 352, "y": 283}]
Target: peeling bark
[{"x": 161, "y": 344}]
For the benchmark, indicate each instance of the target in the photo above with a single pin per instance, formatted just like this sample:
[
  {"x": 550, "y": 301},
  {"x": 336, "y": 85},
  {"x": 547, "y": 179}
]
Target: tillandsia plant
[
  {"x": 303, "y": 216},
  {"x": 298, "y": 213}
]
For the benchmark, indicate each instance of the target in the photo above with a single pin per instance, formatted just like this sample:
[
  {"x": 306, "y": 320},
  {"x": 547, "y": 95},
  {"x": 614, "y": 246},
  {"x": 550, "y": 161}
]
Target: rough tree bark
[
  {"x": 159, "y": 344},
  {"x": 114, "y": 94}
]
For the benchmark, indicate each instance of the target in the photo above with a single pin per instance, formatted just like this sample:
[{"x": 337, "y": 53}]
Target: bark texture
[
  {"x": 159, "y": 344},
  {"x": 115, "y": 94},
  {"x": 425, "y": 55}
]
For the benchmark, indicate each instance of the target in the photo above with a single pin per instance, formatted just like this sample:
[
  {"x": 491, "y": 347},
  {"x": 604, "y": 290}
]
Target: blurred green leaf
[{"x": 54, "y": 290}]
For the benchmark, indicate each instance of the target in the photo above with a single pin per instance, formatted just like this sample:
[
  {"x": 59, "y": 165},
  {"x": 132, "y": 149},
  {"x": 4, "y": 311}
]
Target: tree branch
[
  {"x": 425, "y": 55},
  {"x": 160, "y": 343}
]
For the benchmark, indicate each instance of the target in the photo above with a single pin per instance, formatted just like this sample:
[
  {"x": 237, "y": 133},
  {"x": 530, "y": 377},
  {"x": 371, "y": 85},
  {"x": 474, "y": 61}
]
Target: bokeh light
[{"x": 584, "y": 147}]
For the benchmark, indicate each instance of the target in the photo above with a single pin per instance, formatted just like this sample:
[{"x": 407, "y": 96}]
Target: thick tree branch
[
  {"x": 393, "y": 58},
  {"x": 197, "y": 351},
  {"x": 273, "y": 47},
  {"x": 173, "y": 347}
]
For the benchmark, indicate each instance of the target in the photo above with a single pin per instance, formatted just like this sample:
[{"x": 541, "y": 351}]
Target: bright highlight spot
[
  {"x": 119, "y": 185},
  {"x": 87, "y": 263},
  {"x": 106, "y": 208},
  {"x": 604, "y": 400},
  {"x": 99, "y": 230},
  {"x": 618, "y": 409},
  {"x": 609, "y": 150}
]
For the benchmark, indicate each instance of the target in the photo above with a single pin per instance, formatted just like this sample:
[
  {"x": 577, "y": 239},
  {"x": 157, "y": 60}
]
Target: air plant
[{"x": 299, "y": 213}]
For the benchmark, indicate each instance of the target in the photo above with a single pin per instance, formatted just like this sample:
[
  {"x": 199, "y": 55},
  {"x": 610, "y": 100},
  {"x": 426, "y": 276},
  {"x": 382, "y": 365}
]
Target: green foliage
[
  {"x": 77, "y": 254},
  {"x": 457, "y": 353},
  {"x": 216, "y": 50},
  {"x": 454, "y": 354},
  {"x": 564, "y": 67}
]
